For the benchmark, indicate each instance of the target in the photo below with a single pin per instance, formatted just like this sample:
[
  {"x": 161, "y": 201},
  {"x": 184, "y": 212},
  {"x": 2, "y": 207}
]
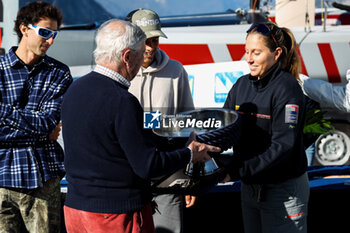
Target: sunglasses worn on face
[
  {"x": 263, "y": 29},
  {"x": 43, "y": 32}
]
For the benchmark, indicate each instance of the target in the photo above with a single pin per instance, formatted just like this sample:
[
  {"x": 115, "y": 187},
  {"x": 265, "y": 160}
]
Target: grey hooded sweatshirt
[{"x": 163, "y": 86}]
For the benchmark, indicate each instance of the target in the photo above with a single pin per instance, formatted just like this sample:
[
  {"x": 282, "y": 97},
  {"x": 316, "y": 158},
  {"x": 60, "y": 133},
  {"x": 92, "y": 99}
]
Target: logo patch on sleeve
[{"x": 292, "y": 111}]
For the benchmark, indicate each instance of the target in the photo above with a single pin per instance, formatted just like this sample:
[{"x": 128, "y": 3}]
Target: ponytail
[{"x": 290, "y": 60}]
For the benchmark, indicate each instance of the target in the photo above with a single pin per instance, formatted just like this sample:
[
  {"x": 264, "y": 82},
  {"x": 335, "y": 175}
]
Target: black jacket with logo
[{"x": 271, "y": 146}]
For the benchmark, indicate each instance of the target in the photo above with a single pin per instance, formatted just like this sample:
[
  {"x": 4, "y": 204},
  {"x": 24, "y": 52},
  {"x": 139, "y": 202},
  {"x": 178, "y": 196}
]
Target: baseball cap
[{"x": 148, "y": 21}]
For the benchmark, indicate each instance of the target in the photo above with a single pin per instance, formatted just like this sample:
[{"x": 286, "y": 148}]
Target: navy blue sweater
[
  {"x": 271, "y": 147},
  {"x": 109, "y": 157}
]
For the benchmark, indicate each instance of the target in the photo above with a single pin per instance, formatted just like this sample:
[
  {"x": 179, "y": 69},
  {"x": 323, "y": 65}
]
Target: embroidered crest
[{"x": 291, "y": 116}]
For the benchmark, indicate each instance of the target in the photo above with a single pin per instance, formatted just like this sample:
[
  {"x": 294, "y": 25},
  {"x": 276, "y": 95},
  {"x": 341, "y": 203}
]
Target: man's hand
[
  {"x": 200, "y": 150},
  {"x": 226, "y": 179},
  {"x": 190, "y": 200},
  {"x": 55, "y": 133}
]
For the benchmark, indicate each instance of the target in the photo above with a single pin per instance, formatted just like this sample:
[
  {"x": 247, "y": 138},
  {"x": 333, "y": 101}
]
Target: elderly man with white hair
[{"x": 109, "y": 157}]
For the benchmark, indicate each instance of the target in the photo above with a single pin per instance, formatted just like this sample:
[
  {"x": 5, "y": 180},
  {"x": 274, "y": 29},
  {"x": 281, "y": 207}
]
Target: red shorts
[{"x": 78, "y": 221}]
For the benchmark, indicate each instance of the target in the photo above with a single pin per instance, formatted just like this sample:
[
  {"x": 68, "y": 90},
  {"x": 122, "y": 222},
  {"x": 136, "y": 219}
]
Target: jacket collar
[
  {"x": 161, "y": 59},
  {"x": 270, "y": 75},
  {"x": 14, "y": 60}
]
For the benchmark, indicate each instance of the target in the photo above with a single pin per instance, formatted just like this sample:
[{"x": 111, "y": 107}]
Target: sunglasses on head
[
  {"x": 43, "y": 32},
  {"x": 263, "y": 29}
]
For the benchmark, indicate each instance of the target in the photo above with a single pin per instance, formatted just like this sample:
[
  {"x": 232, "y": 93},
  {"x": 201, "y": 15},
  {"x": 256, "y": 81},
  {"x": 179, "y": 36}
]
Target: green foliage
[{"x": 315, "y": 122}]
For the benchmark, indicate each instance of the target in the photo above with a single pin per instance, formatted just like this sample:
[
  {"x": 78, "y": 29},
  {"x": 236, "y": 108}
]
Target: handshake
[{"x": 200, "y": 150}]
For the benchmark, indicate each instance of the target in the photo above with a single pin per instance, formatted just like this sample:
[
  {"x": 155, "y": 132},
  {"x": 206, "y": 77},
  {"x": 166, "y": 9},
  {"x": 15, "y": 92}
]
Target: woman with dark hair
[{"x": 270, "y": 159}]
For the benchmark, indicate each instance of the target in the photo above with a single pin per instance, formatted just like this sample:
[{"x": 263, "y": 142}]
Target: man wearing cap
[{"x": 161, "y": 84}]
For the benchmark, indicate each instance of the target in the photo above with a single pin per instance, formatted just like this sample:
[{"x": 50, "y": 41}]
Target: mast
[{"x": 254, "y": 14}]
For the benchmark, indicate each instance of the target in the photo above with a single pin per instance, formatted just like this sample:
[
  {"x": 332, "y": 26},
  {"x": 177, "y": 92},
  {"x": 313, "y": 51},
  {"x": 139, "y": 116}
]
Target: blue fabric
[
  {"x": 320, "y": 177},
  {"x": 321, "y": 171},
  {"x": 30, "y": 102},
  {"x": 310, "y": 154}
]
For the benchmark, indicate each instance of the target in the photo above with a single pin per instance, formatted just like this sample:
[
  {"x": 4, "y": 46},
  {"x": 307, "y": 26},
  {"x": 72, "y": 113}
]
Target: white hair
[{"x": 111, "y": 41}]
